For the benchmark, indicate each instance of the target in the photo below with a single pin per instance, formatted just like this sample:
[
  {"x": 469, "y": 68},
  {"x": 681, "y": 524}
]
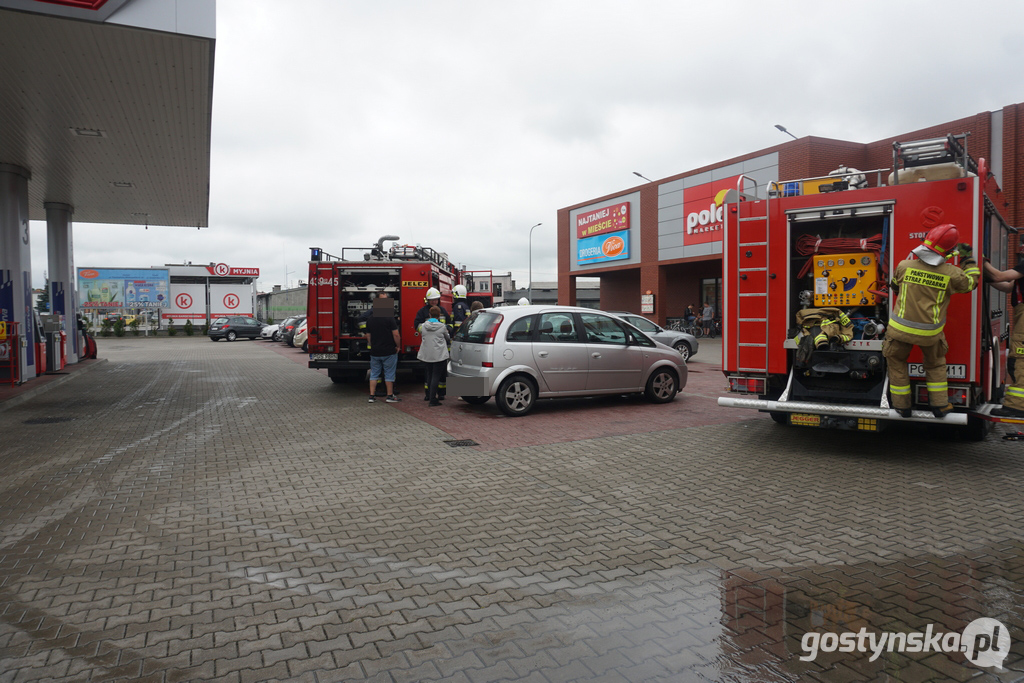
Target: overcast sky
[{"x": 458, "y": 125}]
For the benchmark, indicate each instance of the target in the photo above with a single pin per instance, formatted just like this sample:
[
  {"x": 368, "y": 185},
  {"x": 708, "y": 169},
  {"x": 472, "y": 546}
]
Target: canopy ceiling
[{"x": 111, "y": 119}]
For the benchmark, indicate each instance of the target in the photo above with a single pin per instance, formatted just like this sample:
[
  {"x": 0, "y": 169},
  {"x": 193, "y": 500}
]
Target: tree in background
[{"x": 43, "y": 301}]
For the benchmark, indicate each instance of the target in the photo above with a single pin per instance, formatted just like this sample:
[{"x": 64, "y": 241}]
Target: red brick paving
[{"x": 564, "y": 420}]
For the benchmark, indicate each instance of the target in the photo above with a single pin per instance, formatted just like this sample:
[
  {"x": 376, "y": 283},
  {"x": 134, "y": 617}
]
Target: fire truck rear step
[{"x": 839, "y": 410}]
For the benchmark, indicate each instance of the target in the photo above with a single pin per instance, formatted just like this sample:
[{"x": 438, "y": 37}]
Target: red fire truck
[
  {"x": 833, "y": 242},
  {"x": 342, "y": 289}
]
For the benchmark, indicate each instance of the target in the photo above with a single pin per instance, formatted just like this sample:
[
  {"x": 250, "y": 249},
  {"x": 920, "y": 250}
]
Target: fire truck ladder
[{"x": 751, "y": 298}]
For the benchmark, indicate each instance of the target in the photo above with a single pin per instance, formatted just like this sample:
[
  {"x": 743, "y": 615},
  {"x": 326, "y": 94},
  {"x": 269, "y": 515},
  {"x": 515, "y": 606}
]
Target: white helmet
[
  {"x": 432, "y": 293},
  {"x": 524, "y": 301},
  {"x": 459, "y": 291}
]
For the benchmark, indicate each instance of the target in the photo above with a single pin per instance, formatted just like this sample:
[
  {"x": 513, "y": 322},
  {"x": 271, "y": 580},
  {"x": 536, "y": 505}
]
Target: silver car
[
  {"x": 521, "y": 353},
  {"x": 685, "y": 344}
]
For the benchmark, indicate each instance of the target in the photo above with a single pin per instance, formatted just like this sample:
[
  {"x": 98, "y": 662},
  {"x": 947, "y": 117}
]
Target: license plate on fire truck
[
  {"x": 323, "y": 356},
  {"x": 952, "y": 371}
]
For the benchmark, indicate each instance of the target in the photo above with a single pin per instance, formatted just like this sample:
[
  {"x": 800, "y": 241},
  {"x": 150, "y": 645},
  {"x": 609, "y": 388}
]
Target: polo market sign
[{"x": 704, "y": 211}]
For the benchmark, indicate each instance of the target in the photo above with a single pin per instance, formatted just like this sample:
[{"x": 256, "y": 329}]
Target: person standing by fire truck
[
  {"x": 460, "y": 309},
  {"x": 918, "y": 317},
  {"x": 1010, "y": 281},
  {"x": 433, "y": 298},
  {"x": 383, "y": 340}
]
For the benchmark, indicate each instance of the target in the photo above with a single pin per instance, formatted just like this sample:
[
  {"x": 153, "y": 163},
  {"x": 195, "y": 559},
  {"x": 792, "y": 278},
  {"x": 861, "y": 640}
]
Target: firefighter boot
[
  {"x": 942, "y": 411},
  {"x": 1004, "y": 411},
  {"x": 903, "y": 412}
]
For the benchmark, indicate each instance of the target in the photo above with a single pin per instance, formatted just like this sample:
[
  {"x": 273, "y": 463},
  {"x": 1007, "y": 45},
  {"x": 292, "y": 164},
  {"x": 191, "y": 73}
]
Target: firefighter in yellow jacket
[
  {"x": 919, "y": 315},
  {"x": 1011, "y": 281}
]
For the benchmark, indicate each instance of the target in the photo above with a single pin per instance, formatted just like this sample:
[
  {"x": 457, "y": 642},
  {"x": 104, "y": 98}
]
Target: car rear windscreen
[{"x": 476, "y": 328}]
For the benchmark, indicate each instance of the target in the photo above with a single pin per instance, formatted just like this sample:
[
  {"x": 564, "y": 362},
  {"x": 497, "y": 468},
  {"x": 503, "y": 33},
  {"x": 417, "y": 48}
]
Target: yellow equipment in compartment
[{"x": 845, "y": 279}]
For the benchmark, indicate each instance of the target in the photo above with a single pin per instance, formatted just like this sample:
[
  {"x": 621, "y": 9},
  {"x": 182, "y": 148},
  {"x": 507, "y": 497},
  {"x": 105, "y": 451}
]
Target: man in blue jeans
[{"x": 384, "y": 338}]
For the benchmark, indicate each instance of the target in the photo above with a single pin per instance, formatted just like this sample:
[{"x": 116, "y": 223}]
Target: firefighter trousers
[
  {"x": 1014, "y": 396},
  {"x": 896, "y": 353}
]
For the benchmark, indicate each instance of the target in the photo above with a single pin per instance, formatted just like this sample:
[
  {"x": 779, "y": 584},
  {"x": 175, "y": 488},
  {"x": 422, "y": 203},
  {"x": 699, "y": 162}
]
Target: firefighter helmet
[
  {"x": 524, "y": 301},
  {"x": 459, "y": 291},
  {"x": 432, "y": 293},
  {"x": 938, "y": 244}
]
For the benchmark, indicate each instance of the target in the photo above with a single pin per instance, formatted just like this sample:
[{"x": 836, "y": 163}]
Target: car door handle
[
  {"x": 542, "y": 354},
  {"x": 595, "y": 355}
]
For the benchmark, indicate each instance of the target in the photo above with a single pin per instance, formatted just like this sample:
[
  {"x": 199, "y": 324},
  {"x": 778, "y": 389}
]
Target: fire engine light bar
[{"x": 747, "y": 385}]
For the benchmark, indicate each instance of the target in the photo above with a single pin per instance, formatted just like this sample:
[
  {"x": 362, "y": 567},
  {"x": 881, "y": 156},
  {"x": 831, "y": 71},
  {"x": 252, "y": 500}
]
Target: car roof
[{"x": 532, "y": 309}]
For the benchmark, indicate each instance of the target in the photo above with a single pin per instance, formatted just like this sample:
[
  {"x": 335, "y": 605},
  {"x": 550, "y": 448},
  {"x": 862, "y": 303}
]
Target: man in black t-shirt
[{"x": 384, "y": 339}]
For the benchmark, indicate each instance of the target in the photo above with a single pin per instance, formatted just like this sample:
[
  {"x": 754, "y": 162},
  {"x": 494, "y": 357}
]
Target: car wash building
[
  {"x": 202, "y": 293},
  {"x": 657, "y": 247},
  {"x": 176, "y": 292}
]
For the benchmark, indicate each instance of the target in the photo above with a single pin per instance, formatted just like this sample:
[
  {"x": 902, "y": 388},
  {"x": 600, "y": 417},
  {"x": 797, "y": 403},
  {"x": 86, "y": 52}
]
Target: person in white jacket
[{"x": 434, "y": 341}]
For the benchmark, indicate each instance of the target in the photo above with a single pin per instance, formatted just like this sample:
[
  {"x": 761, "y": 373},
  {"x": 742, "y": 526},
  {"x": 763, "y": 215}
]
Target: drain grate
[
  {"x": 48, "y": 420},
  {"x": 455, "y": 443}
]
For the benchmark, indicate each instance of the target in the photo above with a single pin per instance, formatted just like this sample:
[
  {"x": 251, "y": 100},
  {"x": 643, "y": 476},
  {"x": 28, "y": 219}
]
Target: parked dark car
[
  {"x": 235, "y": 326},
  {"x": 285, "y": 325},
  {"x": 289, "y": 333}
]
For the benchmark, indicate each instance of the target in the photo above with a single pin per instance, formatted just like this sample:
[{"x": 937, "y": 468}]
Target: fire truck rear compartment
[
  {"x": 357, "y": 290},
  {"x": 836, "y": 263}
]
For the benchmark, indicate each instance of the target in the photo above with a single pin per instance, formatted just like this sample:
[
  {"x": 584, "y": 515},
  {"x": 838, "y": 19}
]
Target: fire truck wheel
[
  {"x": 476, "y": 400},
  {"x": 976, "y": 429},
  {"x": 780, "y": 418},
  {"x": 662, "y": 386},
  {"x": 231, "y": 336},
  {"x": 516, "y": 395},
  {"x": 683, "y": 348}
]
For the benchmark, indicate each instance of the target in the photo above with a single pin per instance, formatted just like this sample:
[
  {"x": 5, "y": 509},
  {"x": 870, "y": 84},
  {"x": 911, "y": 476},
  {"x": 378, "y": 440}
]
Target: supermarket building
[{"x": 657, "y": 247}]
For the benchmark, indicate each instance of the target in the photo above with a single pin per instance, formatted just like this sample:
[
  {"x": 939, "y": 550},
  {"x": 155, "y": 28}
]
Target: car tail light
[
  {"x": 487, "y": 364},
  {"x": 957, "y": 395},
  {"x": 747, "y": 385},
  {"x": 492, "y": 331}
]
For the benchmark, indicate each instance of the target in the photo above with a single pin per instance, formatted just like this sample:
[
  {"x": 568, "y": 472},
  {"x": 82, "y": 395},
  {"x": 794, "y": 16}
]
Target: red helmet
[{"x": 942, "y": 239}]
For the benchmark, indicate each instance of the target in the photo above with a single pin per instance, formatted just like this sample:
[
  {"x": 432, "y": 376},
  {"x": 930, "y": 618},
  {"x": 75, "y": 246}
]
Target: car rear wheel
[
  {"x": 476, "y": 400},
  {"x": 305, "y": 347},
  {"x": 231, "y": 336},
  {"x": 277, "y": 336},
  {"x": 516, "y": 396},
  {"x": 683, "y": 348},
  {"x": 662, "y": 386}
]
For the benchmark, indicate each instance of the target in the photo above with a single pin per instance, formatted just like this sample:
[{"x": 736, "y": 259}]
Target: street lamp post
[
  {"x": 530, "y": 284},
  {"x": 637, "y": 173},
  {"x": 783, "y": 129}
]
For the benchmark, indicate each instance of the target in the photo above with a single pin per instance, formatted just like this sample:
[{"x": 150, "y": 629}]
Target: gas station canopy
[{"x": 107, "y": 103}]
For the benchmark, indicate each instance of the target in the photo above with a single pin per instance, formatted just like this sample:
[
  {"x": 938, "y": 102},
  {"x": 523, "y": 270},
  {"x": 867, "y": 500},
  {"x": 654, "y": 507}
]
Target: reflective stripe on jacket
[{"x": 920, "y": 309}]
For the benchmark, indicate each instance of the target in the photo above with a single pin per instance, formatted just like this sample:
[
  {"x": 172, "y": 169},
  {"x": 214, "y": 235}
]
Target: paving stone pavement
[{"x": 215, "y": 511}]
